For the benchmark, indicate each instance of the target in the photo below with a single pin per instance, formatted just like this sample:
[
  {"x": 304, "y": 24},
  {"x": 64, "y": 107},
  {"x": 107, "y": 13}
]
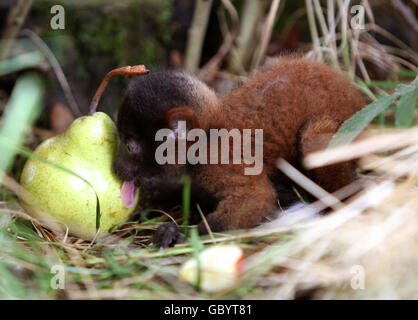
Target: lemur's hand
[{"x": 167, "y": 235}]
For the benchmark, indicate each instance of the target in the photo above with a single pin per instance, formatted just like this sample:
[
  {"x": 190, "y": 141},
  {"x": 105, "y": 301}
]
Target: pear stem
[{"x": 127, "y": 71}]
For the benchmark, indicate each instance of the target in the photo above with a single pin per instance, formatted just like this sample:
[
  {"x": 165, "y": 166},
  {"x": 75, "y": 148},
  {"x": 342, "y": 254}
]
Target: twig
[
  {"x": 345, "y": 34},
  {"x": 406, "y": 13},
  {"x": 369, "y": 11},
  {"x": 126, "y": 71},
  {"x": 57, "y": 69},
  {"x": 207, "y": 72},
  {"x": 241, "y": 52},
  {"x": 387, "y": 58},
  {"x": 326, "y": 33},
  {"x": 312, "y": 28},
  {"x": 266, "y": 33},
  {"x": 197, "y": 35},
  {"x": 356, "y": 53},
  {"x": 392, "y": 38},
  {"x": 15, "y": 19},
  {"x": 332, "y": 36},
  {"x": 205, "y": 222},
  {"x": 310, "y": 186},
  {"x": 378, "y": 143}
]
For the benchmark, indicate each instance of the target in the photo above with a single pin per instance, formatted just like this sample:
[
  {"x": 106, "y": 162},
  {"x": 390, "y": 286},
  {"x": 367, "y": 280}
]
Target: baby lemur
[{"x": 297, "y": 102}]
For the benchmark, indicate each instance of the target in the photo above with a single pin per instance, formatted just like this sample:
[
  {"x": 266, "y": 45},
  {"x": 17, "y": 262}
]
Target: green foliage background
[{"x": 96, "y": 39}]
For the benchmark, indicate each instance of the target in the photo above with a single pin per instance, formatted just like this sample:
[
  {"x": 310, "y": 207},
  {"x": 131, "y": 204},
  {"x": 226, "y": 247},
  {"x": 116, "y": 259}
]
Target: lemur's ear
[{"x": 174, "y": 117}]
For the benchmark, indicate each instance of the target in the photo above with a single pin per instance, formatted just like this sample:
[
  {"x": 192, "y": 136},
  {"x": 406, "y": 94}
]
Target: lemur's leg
[
  {"x": 314, "y": 136},
  {"x": 244, "y": 201}
]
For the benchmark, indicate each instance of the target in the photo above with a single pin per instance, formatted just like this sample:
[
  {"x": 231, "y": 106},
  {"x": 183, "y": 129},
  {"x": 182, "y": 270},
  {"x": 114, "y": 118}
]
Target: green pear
[{"x": 86, "y": 148}]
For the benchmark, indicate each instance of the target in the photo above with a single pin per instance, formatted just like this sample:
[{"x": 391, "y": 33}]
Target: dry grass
[
  {"x": 300, "y": 254},
  {"x": 371, "y": 237}
]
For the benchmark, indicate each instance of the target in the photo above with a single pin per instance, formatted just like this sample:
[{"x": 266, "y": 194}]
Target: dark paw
[{"x": 167, "y": 235}]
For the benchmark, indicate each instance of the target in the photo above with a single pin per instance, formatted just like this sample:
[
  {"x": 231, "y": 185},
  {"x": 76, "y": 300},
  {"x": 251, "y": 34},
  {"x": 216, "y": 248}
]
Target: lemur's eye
[
  {"x": 129, "y": 149},
  {"x": 132, "y": 147}
]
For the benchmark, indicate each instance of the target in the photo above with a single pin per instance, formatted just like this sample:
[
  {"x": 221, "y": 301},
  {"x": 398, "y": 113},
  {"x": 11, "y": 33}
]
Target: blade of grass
[
  {"x": 197, "y": 248},
  {"x": 353, "y": 126},
  {"x": 196, "y": 35},
  {"x": 387, "y": 84},
  {"x": 21, "y": 62},
  {"x": 205, "y": 222},
  {"x": 364, "y": 87},
  {"x": 312, "y": 27},
  {"x": 22, "y": 110},
  {"x": 406, "y": 73},
  {"x": 405, "y": 110},
  {"x": 186, "y": 204}
]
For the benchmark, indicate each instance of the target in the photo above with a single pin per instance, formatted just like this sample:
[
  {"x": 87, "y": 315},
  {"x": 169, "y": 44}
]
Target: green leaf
[
  {"x": 353, "y": 126},
  {"x": 21, "y": 62},
  {"x": 406, "y": 88},
  {"x": 98, "y": 213},
  {"x": 22, "y": 110},
  {"x": 186, "y": 203},
  {"x": 10, "y": 286},
  {"x": 382, "y": 84},
  {"x": 197, "y": 248},
  {"x": 405, "y": 110},
  {"x": 346, "y": 53},
  {"x": 406, "y": 73}
]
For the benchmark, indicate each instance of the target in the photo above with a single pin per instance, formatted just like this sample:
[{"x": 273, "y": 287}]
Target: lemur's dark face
[
  {"x": 144, "y": 111},
  {"x": 135, "y": 153},
  {"x": 153, "y": 102}
]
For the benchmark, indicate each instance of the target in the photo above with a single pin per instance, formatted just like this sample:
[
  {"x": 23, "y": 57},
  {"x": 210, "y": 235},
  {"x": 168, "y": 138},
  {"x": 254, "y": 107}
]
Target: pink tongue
[{"x": 128, "y": 193}]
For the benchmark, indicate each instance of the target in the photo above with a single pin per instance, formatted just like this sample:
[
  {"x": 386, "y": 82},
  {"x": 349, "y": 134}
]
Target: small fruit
[
  {"x": 220, "y": 268},
  {"x": 87, "y": 148}
]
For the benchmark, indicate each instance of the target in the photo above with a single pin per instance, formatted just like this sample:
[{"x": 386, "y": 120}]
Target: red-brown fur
[{"x": 299, "y": 104}]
